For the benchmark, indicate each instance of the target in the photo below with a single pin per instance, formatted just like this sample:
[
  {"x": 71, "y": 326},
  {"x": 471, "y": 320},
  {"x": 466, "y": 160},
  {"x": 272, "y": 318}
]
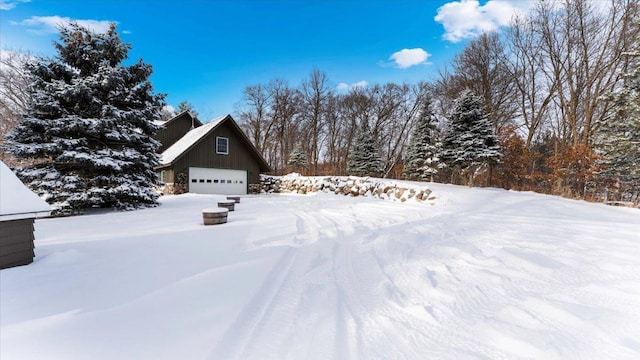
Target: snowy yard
[{"x": 484, "y": 273}]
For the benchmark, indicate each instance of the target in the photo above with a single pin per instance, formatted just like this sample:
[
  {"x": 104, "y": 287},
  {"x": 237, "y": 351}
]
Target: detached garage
[{"x": 213, "y": 158}]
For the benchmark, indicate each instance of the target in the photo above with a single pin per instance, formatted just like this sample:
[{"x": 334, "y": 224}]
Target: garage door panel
[{"x": 217, "y": 181}]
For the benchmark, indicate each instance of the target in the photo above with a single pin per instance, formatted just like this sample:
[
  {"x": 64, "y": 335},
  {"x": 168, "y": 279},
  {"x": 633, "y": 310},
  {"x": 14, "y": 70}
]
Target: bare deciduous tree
[
  {"x": 254, "y": 115},
  {"x": 14, "y": 95},
  {"x": 335, "y": 127},
  {"x": 533, "y": 93},
  {"x": 285, "y": 108},
  {"x": 394, "y": 108},
  {"x": 315, "y": 94},
  {"x": 583, "y": 42},
  {"x": 354, "y": 107}
]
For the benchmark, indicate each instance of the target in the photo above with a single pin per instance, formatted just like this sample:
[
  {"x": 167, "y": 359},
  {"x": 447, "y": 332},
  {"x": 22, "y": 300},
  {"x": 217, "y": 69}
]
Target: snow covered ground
[{"x": 483, "y": 273}]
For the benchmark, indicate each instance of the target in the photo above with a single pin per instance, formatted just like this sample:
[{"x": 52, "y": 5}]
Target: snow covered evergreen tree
[
  {"x": 619, "y": 135},
  {"x": 422, "y": 159},
  {"x": 364, "y": 158},
  {"x": 298, "y": 159},
  {"x": 469, "y": 144},
  {"x": 90, "y": 125}
]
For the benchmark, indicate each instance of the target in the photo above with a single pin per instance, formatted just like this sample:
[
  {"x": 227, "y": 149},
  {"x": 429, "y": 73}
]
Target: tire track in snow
[
  {"x": 342, "y": 334},
  {"x": 359, "y": 299},
  {"x": 240, "y": 335},
  {"x": 280, "y": 303}
]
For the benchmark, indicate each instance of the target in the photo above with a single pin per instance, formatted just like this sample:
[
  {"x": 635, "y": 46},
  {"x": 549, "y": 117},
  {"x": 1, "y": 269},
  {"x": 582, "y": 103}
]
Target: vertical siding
[
  {"x": 16, "y": 243},
  {"x": 173, "y": 131},
  {"x": 204, "y": 155}
]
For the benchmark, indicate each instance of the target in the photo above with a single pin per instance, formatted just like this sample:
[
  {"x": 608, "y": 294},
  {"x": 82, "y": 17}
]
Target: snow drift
[{"x": 483, "y": 273}]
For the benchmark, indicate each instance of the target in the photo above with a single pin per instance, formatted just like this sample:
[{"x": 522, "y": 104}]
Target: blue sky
[{"x": 207, "y": 51}]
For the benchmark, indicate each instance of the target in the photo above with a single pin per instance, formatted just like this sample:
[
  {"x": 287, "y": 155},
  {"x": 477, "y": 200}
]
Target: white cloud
[
  {"x": 409, "y": 57},
  {"x": 169, "y": 109},
  {"x": 467, "y": 18},
  {"x": 10, "y": 4},
  {"x": 359, "y": 84},
  {"x": 50, "y": 24}
]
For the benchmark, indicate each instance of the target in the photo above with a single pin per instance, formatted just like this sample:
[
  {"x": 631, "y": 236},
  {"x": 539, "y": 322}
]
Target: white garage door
[{"x": 217, "y": 181}]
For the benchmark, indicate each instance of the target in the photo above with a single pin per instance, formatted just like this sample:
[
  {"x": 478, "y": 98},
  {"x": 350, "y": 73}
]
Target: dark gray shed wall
[
  {"x": 16, "y": 243},
  {"x": 174, "y": 130}
]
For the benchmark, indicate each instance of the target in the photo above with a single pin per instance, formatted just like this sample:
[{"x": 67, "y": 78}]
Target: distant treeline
[{"x": 557, "y": 87}]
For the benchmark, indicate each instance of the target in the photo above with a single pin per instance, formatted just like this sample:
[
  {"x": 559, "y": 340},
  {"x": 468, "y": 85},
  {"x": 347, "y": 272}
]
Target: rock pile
[{"x": 352, "y": 186}]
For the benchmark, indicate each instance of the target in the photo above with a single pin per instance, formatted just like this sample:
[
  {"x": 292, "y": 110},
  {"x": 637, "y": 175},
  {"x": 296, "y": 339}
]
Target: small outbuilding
[
  {"x": 212, "y": 158},
  {"x": 19, "y": 206}
]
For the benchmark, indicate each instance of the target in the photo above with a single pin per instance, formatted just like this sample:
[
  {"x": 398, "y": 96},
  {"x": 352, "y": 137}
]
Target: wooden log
[
  {"x": 214, "y": 216},
  {"x": 234, "y": 198},
  {"x": 228, "y": 204}
]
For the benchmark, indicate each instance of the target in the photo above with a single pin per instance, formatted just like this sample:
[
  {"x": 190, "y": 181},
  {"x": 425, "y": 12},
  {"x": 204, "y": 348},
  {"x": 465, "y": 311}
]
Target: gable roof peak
[
  {"x": 195, "y": 122},
  {"x": 193, "y": 136},
  {"x": 188, "y": 140}
]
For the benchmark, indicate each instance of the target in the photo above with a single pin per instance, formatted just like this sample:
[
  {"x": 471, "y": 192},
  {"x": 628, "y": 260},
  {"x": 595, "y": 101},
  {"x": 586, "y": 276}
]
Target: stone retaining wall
[{"x": 352, "y": 186}]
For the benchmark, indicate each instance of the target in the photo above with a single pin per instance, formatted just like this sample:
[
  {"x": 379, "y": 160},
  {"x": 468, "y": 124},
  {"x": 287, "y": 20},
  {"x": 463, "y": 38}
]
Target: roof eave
[{"x": 25, "y": 215}]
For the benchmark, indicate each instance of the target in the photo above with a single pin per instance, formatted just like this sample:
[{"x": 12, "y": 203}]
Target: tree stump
[
  {"x": 234, "y": 198},
  {"x": 227, "y": 204},
  {"x": 215, "y": 216}
]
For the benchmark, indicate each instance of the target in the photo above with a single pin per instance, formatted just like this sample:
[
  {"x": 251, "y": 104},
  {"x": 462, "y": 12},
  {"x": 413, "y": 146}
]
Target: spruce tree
[
  {"x": 89, "y": 125},
  {"x": 422, "y": 159},
  {"x": 363, "y": 159},
  {"x": 469, "y": 143},
  {"x": 298, "y": 159},
  {"x": 619, "y": 134}
]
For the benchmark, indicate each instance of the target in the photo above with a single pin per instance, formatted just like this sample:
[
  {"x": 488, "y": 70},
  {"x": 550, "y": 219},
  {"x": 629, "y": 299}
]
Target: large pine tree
[
  {"x": 89, "y": 125},
  {"x": 619, "y": 134},
  {"x": 364, "y": 158},
  {"x": 422, "y": 159},
  {"x": 469, "y": 143}
]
